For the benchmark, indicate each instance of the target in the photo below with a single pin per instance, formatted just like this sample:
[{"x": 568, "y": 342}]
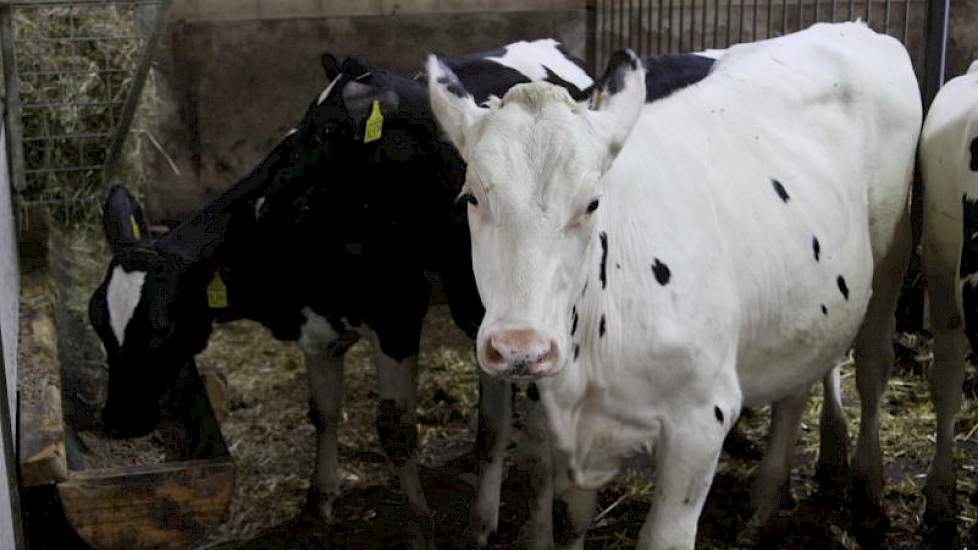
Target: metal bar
[
  {"x": 833, "y": 10},
  {"x": 784, "y": 17},
  {"x": 621, "y": 24},
  {"x": 78, "y": 38},
  {"x": 935, "y": 49},
  {"x": 740, "y": 25},
  {"x": 800, "y": 9},
  {"x": 716, "y": 21},
  {"x": 682, "y": 22},
  {"x": 729, "y": 18},
  {"x": 648, "y": 24},
  {"x": 770, "y": 17},
  {"x": 706, "y": 4},
  {"x": 869, "y": 13},
  {"x": 12, "y": 105},
  {"x": 67, "y": 169},
  {"x": 669, "y": 36},
  {"x": 82, "y": 135},
  {"x": 658, "y": 29},
  {"x": 24, "y": 74},
  {"x": 38, "y": 4},
  {"x": 817, "y": 2},
  {"x": 851, "y": 9},
  {"x": 753, "y": 29},
  {"x": 589, "y": 38},
  {"x": 49, "y": 104},
  {"x": 135, "y": 92},
  {"x": 906, "y": 20}
]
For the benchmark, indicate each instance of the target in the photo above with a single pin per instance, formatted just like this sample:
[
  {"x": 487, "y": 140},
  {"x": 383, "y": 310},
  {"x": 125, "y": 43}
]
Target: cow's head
[
  {"x": 150, "y": 313},
  {"x": 535, "y": 164}
]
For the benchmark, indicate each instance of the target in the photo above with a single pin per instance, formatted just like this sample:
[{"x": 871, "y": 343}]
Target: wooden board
[
  {"x": 42, "y": 441},
  {"x": 164, "y": 505}
]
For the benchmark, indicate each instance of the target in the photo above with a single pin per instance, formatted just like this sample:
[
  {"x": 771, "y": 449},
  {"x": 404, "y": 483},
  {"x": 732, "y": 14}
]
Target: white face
[{"x": 535, "y": 161}]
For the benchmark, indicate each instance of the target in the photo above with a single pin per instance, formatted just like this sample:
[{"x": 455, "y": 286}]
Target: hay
[
  {"x": 77, "y": 65},
  {"x": 101, "y": 451}
]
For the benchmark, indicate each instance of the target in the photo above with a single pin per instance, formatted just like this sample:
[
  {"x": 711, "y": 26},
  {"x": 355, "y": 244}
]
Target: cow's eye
[
  {"x": 592, "y": 206},
  {"x": 467, "y": 197}
]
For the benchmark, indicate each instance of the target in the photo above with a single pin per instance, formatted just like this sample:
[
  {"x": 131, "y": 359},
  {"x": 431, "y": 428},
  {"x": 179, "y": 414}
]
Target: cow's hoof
[
  {"x": 940, "y": 525},
  {"x": 869, "y": 523},
  {"x": 319, "y": 506},
  {"x": 833, "y": 482}
]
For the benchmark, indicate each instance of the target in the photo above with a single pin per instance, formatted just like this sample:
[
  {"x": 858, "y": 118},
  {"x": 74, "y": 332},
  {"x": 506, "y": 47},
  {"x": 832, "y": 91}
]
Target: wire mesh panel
[
  {"x": 74, "y": 63},
  {"x": 670, "y": 26}
]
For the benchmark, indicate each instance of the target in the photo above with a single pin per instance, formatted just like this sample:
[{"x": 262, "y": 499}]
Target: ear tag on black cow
[
  {"x": 217, "y": 293},
  {"x": 136, "y": 233},
  {"x": 375, "y": 124}
]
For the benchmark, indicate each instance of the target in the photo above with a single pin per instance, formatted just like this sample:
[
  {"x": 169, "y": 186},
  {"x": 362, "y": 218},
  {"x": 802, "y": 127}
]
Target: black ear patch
[
  {"x": 122, "y": 219},
  {"x": 330, "y": 66},
  {"x": 613, "y": 80}
]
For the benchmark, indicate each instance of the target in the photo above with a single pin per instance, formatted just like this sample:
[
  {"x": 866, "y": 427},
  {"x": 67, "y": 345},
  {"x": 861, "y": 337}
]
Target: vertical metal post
[
  {"x": 935, "y": 49},
  {"x": 591, "y": 35},
  {"x": 12, "y": 105}
]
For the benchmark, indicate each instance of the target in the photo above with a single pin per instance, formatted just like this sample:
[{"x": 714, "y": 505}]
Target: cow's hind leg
[
  {"x": 833, "y": 455},
  {"x": 772, "y": 487},
  {"x": 495, "y": 424},
  {"x": 946, "y": 377},
  {"x": 397, "y": 430},
  {"x": 874, "y": 360}
]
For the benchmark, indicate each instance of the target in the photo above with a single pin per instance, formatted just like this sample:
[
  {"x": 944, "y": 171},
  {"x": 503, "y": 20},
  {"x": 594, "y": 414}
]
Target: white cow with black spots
[
  {"x": 949, "y": 167},
  {"x": 656, "y": 268}
]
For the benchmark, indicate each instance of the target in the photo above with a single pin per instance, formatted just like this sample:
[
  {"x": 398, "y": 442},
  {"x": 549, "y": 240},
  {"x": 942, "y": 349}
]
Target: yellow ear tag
[
  {"x": 135, "y": 227},
  {"x": 217, "y": 293},
  {"x": 375, "y": 124}
]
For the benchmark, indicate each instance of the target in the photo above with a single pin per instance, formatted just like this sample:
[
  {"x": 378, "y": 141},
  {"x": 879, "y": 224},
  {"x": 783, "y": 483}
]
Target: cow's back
[{"x": 769, "y": 188}]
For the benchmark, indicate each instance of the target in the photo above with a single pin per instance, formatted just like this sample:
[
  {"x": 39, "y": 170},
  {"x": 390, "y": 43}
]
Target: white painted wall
[{"x": 9, "y": 306}]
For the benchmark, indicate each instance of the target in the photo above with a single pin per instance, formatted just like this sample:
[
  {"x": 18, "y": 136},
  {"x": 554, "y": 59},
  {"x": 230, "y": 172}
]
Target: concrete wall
[
  {"x": 233, "y": 85},
  {"x": 9, "y": 306}
]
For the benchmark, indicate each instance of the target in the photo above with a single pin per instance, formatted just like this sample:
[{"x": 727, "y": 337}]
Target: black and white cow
[
  {"x": 327, "y": 240},
  {"x": 655, "y": 268},
  {"x": 949, "y": 167}
]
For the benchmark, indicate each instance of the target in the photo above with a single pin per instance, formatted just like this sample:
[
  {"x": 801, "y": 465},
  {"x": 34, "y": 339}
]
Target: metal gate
[
  {"x": 674, "y": 26},
  {"x": 73, "y": 75}
]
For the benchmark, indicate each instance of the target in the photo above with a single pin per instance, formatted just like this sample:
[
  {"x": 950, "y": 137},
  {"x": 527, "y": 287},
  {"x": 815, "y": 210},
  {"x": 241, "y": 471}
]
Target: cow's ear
[
  {"x": 617, "y": 100},
  {"x": 452, "y": 104},
  {"x": 122, "y": 219},
  {"x": 330, "y": 65},
  {"x": 359, "y": 99}
]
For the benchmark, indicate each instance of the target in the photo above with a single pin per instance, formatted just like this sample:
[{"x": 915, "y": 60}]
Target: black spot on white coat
[
  {"x": 532, "y": 392},
  {"x": 602, "y": 326},
  {"x": 974, "y": 155},
  {"x": 780, "y": 190},
  {"x": 718, "y": 413},
  {"x": 816, "y": 248},
  {"x": 603, "y": 274},
  {"x": 661, "y": 272},
  {"x": 843, "y": 288},
  {"x": 573, "y": 320},
  {"x": 577, "y": 351},
  {"x": 825, "y": 310}
]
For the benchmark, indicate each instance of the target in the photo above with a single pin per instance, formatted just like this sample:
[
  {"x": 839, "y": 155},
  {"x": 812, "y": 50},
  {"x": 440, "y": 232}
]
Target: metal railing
[{"x": 73, "y": 74}]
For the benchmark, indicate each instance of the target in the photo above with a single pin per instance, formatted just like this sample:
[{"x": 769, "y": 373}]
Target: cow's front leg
[
  {"x": 325, "y": 371},
  {"x": 833, "y": 451},
  {"x": 573, "y": 508},
  {"x": 686, "y": 458},
  {"x": 397, "y": 429},
  {"x": 535, "y": 455},
  {"x": 495, "y": 424}
]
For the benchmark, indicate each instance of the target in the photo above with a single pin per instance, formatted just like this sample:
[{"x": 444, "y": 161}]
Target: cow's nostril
[{"x": 492, "y": 354}]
